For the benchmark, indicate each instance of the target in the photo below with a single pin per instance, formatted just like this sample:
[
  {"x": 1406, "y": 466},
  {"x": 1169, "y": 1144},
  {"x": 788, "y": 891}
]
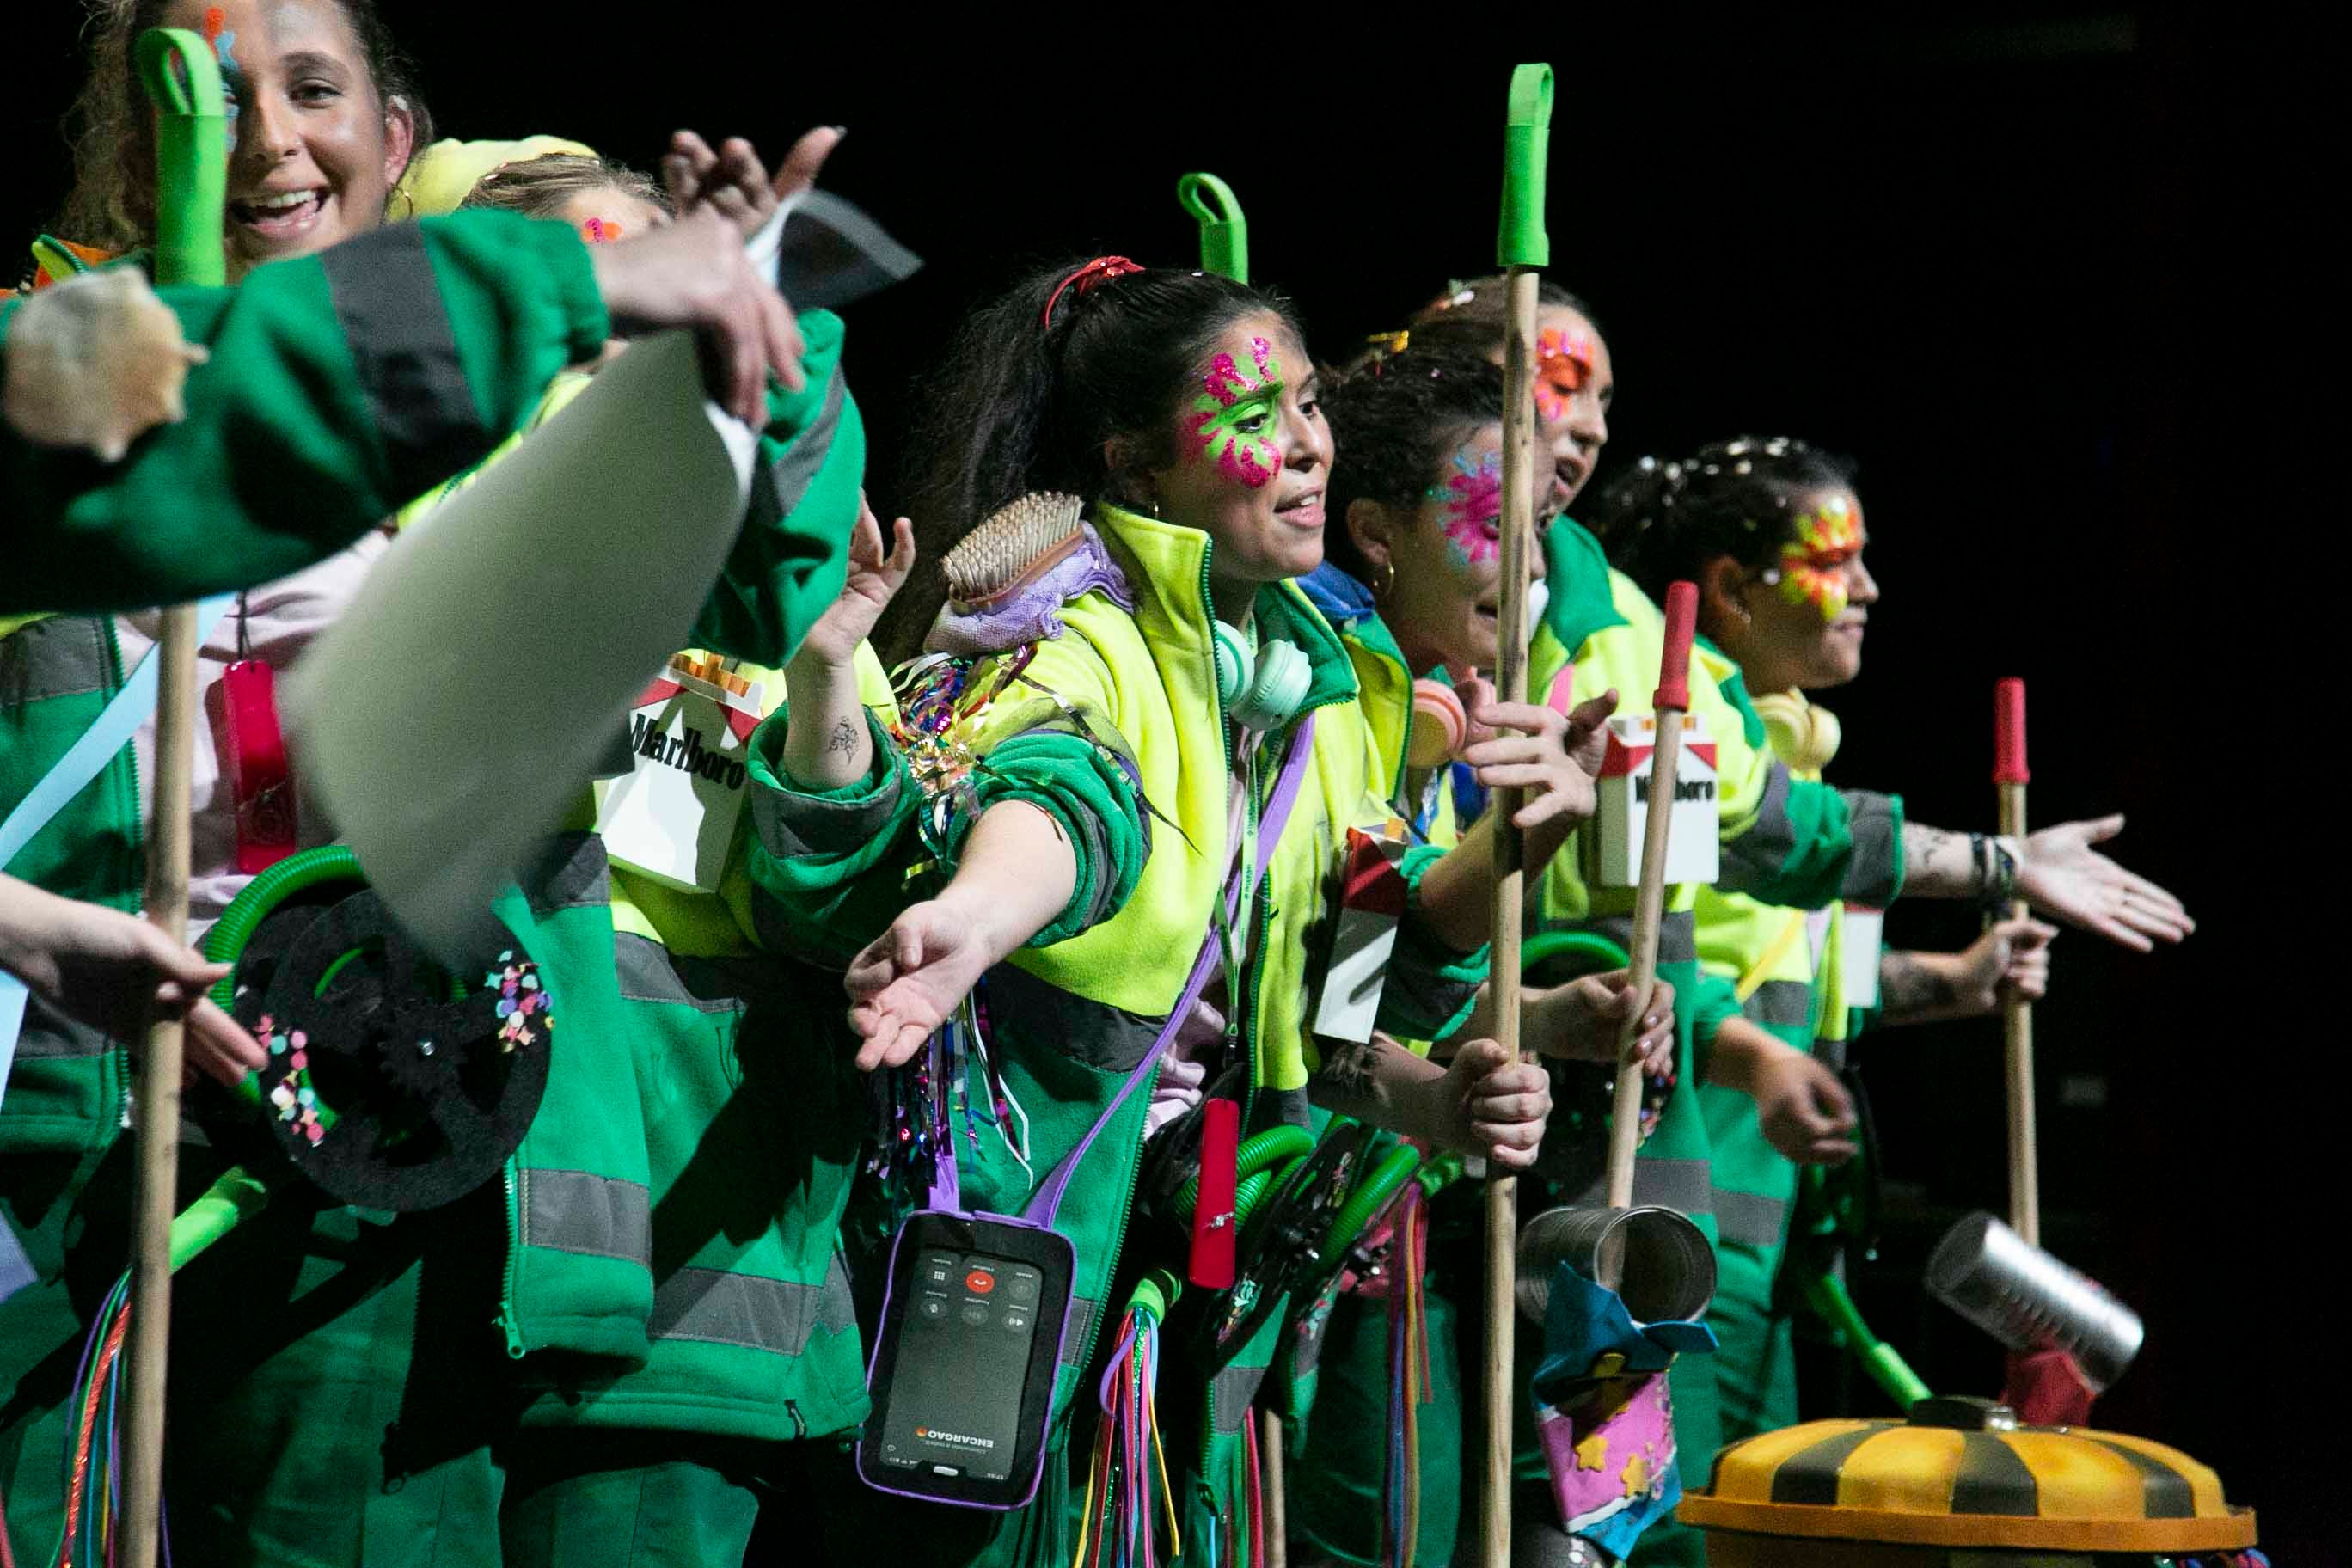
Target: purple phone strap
[{"x": 1047, "y": 1200}]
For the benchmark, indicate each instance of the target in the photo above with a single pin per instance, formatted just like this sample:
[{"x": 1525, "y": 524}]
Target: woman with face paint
[
  {"x": 1412, "y": 583},
  {"x": 1120, "y": 765},
  {"x": 1773, "y": 533},
  {"x": 322, "y": 128}
]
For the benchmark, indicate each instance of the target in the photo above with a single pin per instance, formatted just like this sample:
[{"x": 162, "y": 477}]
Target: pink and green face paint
[
  {"x": 1234, "y": 417},
  {"x": 1563, "y": 364},
  {"x": 1813, "y": 564},
  {"x": 215, "y": 32},
  {"x": 1473, "y": 497}
]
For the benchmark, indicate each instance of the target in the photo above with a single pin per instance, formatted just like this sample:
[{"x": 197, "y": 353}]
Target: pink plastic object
[
  {"x": 1439, "y": 725},
  {"x": 1211, "y": 1263},
  {"x": 1673, "y": 669},
  {"x": 2008, "y": 733},
  {"x": 260, "y": 780},
  {"x": 1562, "y": 695}
]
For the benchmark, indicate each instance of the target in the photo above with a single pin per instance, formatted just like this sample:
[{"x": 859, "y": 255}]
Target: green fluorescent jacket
[
  {"x": 667, "y": 1217},
  {"x": 340, "y": 385},
  {"x": 1133, "y": 717}
]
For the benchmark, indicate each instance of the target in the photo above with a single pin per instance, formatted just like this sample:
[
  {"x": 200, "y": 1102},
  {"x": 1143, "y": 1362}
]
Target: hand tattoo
[{"x": 1351, "y": 1071}]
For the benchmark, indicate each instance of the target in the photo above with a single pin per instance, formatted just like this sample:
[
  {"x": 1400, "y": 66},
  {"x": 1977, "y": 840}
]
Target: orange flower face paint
[
  {"x": 1563, "y": 364},
  {"x": 1813, "y": 564},
  {"x": 600, "y": 231}
]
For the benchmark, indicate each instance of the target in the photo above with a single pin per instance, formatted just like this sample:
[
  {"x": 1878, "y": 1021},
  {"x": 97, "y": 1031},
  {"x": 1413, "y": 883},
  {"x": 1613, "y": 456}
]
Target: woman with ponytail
[
  {"x": 1121, "y": 729},
  {"x": 1772, "y": 532}
]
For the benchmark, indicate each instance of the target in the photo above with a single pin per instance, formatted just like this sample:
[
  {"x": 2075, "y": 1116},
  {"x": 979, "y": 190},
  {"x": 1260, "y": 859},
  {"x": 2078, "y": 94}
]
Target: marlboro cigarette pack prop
[
  {"x": 1372, "y": 901},
  {"x": 673, "y": 815},
  {"x": 1693, "y": 848}
]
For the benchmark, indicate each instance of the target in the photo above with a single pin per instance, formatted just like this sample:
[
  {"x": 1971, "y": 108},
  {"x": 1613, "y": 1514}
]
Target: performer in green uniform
[{"x": 1773, "y": 532}]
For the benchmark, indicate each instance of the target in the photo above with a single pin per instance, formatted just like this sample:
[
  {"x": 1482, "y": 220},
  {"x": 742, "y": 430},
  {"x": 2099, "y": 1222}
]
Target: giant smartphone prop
[{"x": 962, "y": 1377}]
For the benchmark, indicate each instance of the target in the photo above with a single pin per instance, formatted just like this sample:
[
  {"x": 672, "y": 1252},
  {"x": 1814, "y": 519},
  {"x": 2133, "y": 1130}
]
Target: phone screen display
[{"x": 962, "y": 1366}]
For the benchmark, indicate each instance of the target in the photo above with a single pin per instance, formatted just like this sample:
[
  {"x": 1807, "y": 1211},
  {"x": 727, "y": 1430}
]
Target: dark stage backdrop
[{"x": 1980, "y": 253}]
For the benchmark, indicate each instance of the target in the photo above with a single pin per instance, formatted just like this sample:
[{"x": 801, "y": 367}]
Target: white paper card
[{"x": 448, "y": 721}]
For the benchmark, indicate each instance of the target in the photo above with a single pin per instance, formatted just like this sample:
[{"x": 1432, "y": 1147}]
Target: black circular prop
[
  {"x": 392, "y": 1083},
  {"x": 1280, "y": 1256}
]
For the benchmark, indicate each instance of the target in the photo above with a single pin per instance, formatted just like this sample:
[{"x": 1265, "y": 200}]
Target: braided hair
[
  {"x": 1665, "y": 521},
  {"x": 1392, "y": 423}
]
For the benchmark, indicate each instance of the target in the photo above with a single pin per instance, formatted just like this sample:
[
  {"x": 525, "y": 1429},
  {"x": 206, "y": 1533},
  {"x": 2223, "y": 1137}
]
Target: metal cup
[
  {"x": 2029, "y": 1301},
  {"x": 1656, "y": 1260}
]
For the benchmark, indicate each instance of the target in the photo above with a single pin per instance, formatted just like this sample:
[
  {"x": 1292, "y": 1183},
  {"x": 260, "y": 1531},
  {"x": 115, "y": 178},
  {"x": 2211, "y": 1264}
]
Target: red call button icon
[{"x": 979, "y": 1282}]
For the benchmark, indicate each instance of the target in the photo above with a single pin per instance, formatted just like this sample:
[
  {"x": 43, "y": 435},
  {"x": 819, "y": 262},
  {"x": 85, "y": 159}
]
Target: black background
[{"x": 2013, "y": 260}]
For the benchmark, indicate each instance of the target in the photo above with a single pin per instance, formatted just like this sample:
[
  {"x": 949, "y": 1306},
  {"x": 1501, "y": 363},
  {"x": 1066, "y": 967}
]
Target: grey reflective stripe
[
  {"x": 1417, "y": 993},
  {"x": 1830, "y": 1054},
  {"x": 569, "y": 872},
  {"x": 388, "y": 305},
  {"x": 1677, "y": 939},
  {"x": 1677, "y": 936},
  {"x": 1871, "y": 871},
  {"x": 1281, "y": 1108},
  {"x": 50, "y": 1036},
  {"x": 577, "y": 1211},
  {"x": 792, "y": 824},
  {"x": 713, "y": 1307},
  {"x": 1684, "y": 1185},
  {"x": 1787, "y": 1004},
  {"x": 1750, "y": 1219},
  {"x": 1074, "y": 1333},
  {"x": 1026, "y": 1008},
  {"x": 780, "y": 486},
  {"x": 1232, "y": 1389},
  {"x": 1756, "y": 857},
  {"x": 646, "y": 972},
  {"x": 64, "y": 656}
]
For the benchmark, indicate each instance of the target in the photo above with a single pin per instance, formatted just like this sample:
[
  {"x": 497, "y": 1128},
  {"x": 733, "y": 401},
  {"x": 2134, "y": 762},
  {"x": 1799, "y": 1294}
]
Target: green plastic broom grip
[
  {"x": 191, "y": 154},
  {"x": 238, "y": 1194},
  {"x": 1826, "y": 1293},
  {"x": 1224, "y": 232},
  {"x": 1527, "y": 138}
]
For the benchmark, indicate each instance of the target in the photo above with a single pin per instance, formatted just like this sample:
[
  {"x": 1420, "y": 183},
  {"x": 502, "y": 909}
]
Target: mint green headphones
[{"x": 1262, "y": 688}]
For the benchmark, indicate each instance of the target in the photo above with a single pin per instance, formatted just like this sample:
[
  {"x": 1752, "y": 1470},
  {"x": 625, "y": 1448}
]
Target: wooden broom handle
[
  {"x": 1671, "y": 702},
  {"x": 1519, "y": 436},
  {"x": 2010, "y": 778},
  {"x": 156, "y": 1146}
]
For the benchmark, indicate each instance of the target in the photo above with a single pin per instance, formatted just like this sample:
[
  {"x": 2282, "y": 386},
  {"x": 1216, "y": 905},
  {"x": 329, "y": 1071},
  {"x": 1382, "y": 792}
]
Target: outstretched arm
[
  {"x": 2056, "y": 871},
  {"x": 1017, "y": 874}
]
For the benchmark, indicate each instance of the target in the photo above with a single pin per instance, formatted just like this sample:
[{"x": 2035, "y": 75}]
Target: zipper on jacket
[
  {"x": 793, "y": 1409},
  {"x": 1118, "y": 1246},
  {"x": 507, "y": 1322}
]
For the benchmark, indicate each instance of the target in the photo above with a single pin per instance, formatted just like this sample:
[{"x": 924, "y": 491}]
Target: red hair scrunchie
[{"x": 1101, "y": 269}]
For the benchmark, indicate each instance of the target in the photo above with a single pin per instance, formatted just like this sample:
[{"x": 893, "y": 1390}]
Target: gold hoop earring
[{"x": 1386, "y": 584}]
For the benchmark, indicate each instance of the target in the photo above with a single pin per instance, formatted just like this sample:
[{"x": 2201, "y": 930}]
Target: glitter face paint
[
  {"x": 1563, "y": 364},
  {"x": 1232, "y": 400},
  {"x": 1474, "y": 507},
  {"x": 216, "y": 32},
  {"x": 1813, "y": 564}
]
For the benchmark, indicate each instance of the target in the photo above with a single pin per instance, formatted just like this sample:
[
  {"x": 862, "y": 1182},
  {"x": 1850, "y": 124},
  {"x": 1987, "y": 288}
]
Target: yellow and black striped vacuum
[{"x": 1961, "y": 1484}]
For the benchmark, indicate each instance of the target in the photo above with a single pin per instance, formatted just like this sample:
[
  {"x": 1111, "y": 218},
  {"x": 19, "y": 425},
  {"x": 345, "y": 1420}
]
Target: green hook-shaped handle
[
  {"x": 191, "y": 154},
  {"x": 1224, "y": 232},
  {"x": 1527, "y": 138}
]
